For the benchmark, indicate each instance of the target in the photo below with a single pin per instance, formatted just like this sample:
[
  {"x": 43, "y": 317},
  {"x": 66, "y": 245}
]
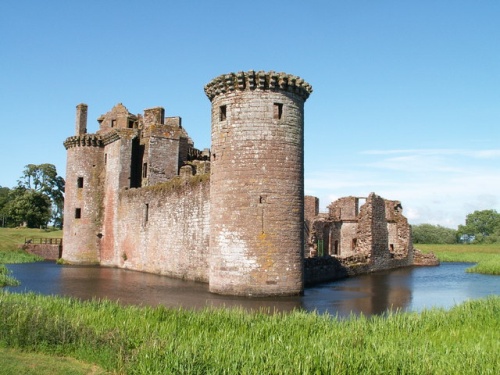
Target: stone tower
[
  {"x": 83, "y": 193},
  {"x": 257, "y": 183}
]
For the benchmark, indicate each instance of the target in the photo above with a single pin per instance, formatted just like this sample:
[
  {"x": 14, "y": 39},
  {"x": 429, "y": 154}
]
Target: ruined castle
[{"x": 140, "y": 196}]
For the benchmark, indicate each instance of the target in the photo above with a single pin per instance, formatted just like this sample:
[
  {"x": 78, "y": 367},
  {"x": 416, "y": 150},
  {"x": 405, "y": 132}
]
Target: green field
[
  {"x": 487, "y": 256},
  {"x": 12, "y": 238}
]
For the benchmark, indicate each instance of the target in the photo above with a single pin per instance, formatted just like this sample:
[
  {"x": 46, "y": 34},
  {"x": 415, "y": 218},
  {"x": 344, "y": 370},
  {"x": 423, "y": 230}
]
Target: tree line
[
  {"x": 36, "y": 201},
  {"x": 480, "y": 227}
]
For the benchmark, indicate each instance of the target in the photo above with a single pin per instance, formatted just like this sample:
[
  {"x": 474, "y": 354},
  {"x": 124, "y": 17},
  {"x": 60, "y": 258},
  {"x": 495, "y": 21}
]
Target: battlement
[
  {"x": 91, "y": 140},
  {"x": 261, "y": 80}
]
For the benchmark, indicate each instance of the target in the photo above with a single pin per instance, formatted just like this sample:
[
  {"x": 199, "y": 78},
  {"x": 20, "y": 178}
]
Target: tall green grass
[
  {"x": 158, "y": 340},
  {"x": 5, "y": 278},
  {"x": 486, "y": 256}
]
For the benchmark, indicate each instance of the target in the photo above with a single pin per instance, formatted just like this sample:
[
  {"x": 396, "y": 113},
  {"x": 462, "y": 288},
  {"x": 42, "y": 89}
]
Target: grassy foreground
[
  {"x": 17, "y": 362},
  {"x": 147, "y": 340},
  {"x": 486, "y": 256}
]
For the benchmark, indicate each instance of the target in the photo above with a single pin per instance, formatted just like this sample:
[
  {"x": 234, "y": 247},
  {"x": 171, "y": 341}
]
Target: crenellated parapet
[
  {"x": 90, "y": 140},
  {"x": 261, "y": 80}
]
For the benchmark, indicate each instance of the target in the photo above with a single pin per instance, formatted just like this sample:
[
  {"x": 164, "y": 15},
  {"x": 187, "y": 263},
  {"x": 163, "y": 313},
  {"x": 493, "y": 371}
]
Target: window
[
  {"x": 130, "y": 124},
  {"x": 144, "y": 170},
  {"x": 78, "y": 213},
  {"x": 113, "y": 123},
  {"x": 105, "y": 159},
  {"x": 278, "y": 111},
  {"x": 146, "y": 213},
  {"x": 354, "y": 243},
  {"x": 222, "y": 113},
  {"x": 79, "y": 182}
]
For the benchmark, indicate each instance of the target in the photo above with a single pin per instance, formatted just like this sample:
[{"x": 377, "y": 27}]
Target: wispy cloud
[{"x": 438, "y": 186}]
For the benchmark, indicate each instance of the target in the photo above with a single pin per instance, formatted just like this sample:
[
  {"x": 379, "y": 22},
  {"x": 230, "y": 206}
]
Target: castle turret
[
  {"x": 257, "y": 183},
  {"x": 83, "y": 193}
]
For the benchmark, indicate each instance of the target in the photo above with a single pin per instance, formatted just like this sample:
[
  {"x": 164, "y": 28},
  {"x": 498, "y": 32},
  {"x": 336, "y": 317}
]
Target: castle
[{"x": 140, "y": 196}]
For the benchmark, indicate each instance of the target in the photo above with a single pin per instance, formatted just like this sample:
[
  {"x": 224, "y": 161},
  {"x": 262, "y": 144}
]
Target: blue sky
[{"x": 406, "y": 99}]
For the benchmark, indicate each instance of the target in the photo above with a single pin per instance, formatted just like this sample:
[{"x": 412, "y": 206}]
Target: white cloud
[{"x": 439, "y": 186}]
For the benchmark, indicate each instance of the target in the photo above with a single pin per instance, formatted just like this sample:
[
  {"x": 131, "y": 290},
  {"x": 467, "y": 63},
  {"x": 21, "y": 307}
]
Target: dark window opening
[
  {"x": 278, "y": 111},
  {"x": 105, "y": 158},
  {"x": 146, "y": 213},
  {"x": 213, "y": 157},
  {"x": 222, "y": 113},
  {"x": 354, "y": 243},
  {"x": 130, "y": 124},
  {"x": 391, "y": 248},
  {"x": 136, "y": 171},
  {"x": 79, "y": 182},
  {"x": 78, "y": 213},
  {"x": 336, "y": 247},
  {"x": 144, "y": 170},
  {"x": 113, "y": 123}
]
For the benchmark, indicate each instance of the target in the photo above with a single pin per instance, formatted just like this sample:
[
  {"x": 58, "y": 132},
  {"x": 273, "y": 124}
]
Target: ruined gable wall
[
  {"x": 164, "y": 229},
  {"x": 399, "y": 229},
  {"x": 162, "y": 156},
  {"x": 311, "y": 207}
]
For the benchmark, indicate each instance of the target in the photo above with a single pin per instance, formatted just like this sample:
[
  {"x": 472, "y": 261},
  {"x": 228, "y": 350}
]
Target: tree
[
  {"x": 29, "y": 207},
  {"x": 433, "y": 234},
  {"x": 4, "y": 199},
  {"x": 43, "y": 179},
  {"x": 483, "y": 226}
]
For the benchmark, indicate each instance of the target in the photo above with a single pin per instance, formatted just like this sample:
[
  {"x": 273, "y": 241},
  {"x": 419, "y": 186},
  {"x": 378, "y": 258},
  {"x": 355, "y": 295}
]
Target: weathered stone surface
[
  {"x": 257, "y": 184},
  {"x": 140, "y": 196}
]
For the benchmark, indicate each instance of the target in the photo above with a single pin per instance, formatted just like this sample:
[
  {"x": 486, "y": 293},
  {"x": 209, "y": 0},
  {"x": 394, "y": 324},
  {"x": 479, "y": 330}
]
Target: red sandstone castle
[{"x": 140, "y": 196}]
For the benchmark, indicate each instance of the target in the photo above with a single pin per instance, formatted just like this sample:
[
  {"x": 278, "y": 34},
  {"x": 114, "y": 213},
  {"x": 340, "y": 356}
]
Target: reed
[
  {"x": 5, "y": 278},
  {"x": 150, "y": 340}
]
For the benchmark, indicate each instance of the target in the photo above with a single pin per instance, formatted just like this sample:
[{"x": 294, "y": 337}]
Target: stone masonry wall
[
  {"x": 257, "y": 177},
  {"x": 165, "y": 229},
  {"x": 83, "y": 199}
]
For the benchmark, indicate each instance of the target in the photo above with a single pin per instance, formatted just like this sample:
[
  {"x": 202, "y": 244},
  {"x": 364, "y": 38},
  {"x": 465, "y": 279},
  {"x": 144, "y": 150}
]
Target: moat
[{"x": 408, "y": 289}]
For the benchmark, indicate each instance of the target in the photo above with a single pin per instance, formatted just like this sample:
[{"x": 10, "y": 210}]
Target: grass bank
[
  {"x": 12, "y": 238},
  {"x": 18, "y": 362},
  {"x": 158, "y": 340},
  {"x": 486, "y": 256}
]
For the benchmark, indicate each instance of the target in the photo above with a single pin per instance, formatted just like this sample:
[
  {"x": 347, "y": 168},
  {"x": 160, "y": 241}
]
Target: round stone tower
[
  {"x": 257, "y": 183},
  {"x": 83, "y": 193}
]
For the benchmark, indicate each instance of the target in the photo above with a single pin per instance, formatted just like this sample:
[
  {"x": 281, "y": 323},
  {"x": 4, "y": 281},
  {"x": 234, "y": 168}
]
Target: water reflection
[{"x": 405, "y": 289}]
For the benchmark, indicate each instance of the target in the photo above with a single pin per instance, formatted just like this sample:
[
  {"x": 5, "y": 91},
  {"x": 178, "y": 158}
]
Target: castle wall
[
  {"x": 140, "y": 196},
  {"x": 117, "y": 171},
  {"x": 257, "y": 200},
  {"x": 83, "y": 199},
  {"x": 163, "y": 159},
  {"x": 164, "y": 229}
]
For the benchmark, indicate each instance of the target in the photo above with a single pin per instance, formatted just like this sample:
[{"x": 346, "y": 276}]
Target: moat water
[{"x": 407, "y": 289}]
